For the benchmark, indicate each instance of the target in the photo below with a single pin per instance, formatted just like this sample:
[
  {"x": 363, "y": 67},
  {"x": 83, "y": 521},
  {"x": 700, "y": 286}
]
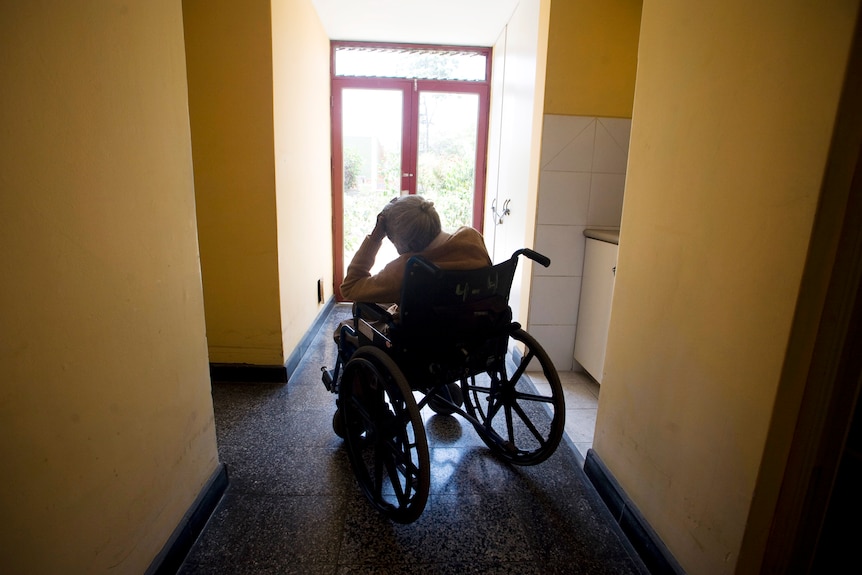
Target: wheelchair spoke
[
  {"x": 533, "y": 397},
  {"x": 522, "y": 367},
  {"x": 494, "y": 395},
  {"x": 494, "y": 405},
  {"x": 398, "y": 461},
  {"x": 360, "y": 409},
  {"x": 378, "y": 474},
  {"x": 402, "y": 472},
  {"x": 404, "y": 463},
  {"x": 519, "y": 419},
  {"x": 392, "y": 472},
  {"x": 510, "y": 429},
  {"x": 529, "y": 423},
  {"x": 385, "y": 435}
]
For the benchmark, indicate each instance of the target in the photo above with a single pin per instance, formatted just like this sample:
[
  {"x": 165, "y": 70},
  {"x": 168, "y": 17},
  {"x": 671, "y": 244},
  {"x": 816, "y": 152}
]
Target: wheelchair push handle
[
  {"x": 421, "y": 262},
  {"x": 533, "y": 255}
]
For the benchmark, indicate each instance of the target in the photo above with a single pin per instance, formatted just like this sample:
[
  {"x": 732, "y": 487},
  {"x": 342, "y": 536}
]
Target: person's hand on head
[{"x": 379, "y": 231}]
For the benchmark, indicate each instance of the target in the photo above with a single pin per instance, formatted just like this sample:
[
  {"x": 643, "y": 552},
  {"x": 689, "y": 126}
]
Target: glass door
[
  {"x": 372, "y": 162},
  {"x": 448, "y": 165},
  {"x": 405, "y": 135}
]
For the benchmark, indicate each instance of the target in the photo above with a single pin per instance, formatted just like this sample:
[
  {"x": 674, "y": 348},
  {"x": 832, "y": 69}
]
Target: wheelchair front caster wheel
[
  {"x": 338, "y": 425},
  {"x": 442, "y": 403}
]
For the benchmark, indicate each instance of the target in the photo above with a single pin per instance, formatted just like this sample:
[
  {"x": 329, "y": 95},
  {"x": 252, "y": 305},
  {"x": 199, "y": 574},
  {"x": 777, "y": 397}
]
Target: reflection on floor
[
  {"x": 293, "y": 505},
  {"x": 582, "y": 400}
]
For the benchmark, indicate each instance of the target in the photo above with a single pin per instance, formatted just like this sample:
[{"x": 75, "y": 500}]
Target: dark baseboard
[
  {"x": 645, "y": 541},
  {"x": 247, "y": 373},
  {"x": 172, "y": 555},
  {"x": 299, "y": 351}
]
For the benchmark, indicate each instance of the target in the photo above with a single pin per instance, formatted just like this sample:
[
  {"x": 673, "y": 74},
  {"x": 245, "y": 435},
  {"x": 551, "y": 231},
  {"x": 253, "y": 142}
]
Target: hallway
[{"x": 293, "y": 505}]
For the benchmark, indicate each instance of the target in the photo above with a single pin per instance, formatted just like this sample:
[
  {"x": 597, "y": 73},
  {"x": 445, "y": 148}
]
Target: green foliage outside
[
  {"x": 449, "y": 184},
  {"x": 446, "y": 177},
  {"x": 353, "y": 165},
  {"x": 451, "y": 180},
  {"x": 364, "y": 200}
]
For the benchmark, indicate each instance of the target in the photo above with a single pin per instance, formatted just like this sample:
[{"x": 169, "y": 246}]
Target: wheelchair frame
[{"x": 450, "y": 346}]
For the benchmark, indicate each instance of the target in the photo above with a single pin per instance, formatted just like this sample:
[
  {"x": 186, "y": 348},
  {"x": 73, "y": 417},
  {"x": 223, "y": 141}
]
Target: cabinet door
[{"x": 594, "y": 310}]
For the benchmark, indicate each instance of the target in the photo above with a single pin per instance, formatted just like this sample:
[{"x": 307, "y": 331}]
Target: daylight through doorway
[{"x": 406, "y": 120}]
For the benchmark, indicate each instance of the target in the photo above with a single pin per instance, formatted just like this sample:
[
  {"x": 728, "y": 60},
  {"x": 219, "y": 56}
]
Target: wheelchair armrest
[
  {"x": 372, "y": 312},
  {"x": 372, "y": 322}
]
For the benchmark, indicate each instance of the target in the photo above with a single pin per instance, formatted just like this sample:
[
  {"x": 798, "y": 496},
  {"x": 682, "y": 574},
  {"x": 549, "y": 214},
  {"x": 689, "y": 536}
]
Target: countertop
[{"x": 610, "y": 236}]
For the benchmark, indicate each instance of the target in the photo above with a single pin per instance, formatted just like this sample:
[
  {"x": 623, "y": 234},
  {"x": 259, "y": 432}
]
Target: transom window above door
[{"x": 421, "y": 63}]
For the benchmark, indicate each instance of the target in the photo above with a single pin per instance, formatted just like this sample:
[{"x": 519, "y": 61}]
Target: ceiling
[{"x": 447, "y": 22}]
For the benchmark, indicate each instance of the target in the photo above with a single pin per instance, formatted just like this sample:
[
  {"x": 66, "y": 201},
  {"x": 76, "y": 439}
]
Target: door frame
[
  {"x": 337, "y": 167},
  {"x": 410, "y": 88},
  {"x": 483, "y": 92}
]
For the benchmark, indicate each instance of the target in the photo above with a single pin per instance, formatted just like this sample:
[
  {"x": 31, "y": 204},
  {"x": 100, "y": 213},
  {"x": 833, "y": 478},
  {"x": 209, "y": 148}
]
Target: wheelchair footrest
[{"x": 327, "y": 378}]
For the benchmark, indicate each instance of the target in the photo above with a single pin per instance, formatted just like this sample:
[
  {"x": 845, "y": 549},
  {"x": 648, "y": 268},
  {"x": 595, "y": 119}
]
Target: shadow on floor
[{"x": 293, "y": 505}]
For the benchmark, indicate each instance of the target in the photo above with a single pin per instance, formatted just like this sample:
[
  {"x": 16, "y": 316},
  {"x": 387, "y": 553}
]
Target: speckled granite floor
[{"x": 293, "y": 505}]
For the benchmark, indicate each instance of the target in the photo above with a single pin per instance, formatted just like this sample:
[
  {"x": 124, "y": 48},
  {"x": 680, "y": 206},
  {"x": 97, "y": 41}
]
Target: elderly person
[{"x": 413, "y": 226}]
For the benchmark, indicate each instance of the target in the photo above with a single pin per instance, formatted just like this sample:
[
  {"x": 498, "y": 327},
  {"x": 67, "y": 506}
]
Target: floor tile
[{"x": 293, "y": 504}]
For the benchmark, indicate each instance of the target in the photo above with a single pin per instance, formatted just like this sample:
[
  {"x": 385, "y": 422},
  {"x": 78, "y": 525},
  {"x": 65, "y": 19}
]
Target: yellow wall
[
  {"x": 734, "y": 109},
  {"x": 229, "y": 58},
  {"x": 300, "y": 49},
  {"x": 106, "y": 419},
  {"x": 592, "y": 57}
]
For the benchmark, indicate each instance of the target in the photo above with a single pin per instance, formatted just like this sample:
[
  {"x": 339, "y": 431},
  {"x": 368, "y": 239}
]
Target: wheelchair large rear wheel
[
  {"x": 384, "y": 435},
  {"x": 519, "y": 419}
]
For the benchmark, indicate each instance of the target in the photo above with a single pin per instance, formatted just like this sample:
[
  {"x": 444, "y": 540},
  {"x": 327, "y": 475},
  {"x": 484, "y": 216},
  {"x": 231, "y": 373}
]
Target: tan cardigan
[{"x": 463, "y": 250}]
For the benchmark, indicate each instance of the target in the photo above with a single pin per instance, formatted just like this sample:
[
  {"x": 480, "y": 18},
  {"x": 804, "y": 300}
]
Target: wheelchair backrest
[{"x": 435, "y": 301}]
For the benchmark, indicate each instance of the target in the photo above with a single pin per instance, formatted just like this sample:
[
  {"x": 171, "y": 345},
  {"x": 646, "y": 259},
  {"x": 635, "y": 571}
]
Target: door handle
[{"x": 498, "y": 216}]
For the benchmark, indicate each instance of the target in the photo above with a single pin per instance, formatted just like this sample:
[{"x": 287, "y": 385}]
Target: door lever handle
[{"x": 498, "y": 216}]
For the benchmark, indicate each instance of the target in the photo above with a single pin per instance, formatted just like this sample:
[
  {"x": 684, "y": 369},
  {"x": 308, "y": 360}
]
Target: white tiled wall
[{"x": 580, "y": 185}]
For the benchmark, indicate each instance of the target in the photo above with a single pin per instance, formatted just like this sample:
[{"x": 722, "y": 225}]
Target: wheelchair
[{"x": 447, "y": 349}]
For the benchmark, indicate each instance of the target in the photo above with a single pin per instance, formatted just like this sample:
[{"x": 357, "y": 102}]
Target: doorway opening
[{"x": 406, "y": 119}]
